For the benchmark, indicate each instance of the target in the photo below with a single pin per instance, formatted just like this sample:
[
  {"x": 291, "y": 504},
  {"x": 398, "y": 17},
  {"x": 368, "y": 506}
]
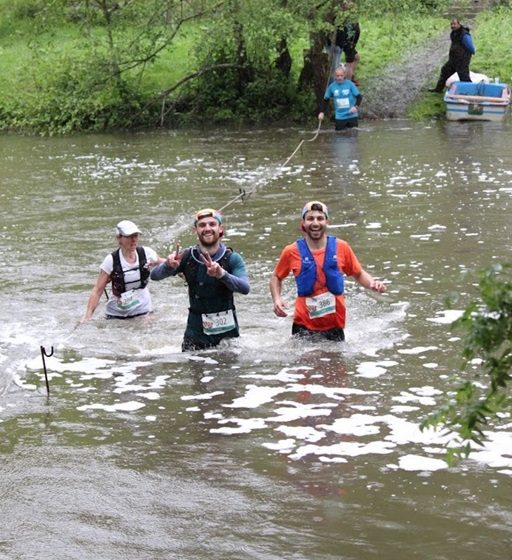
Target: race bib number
[
  {"x": 217, "y": 323},
  {"x": 321, "y": 305},
  {"x": 342, "y": 103},
  {"x": 128, "y": 299}
]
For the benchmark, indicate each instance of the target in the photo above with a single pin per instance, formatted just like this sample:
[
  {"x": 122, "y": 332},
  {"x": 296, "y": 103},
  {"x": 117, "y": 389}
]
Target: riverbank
[
  {"x": 61, "y": 77},
  {"x": 402, "y": 89}
]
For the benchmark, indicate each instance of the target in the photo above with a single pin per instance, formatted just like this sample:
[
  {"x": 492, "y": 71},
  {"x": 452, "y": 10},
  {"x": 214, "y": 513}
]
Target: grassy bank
[
  {"x": 492, "y": 33},
  {"x": 55, "y": 74}
]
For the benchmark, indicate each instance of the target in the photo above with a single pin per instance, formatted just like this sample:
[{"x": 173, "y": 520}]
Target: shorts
[
  {"x": 345, "y": 123},
  {"x": 127, "y": 316},
  {"x": 336, "y": 334},
  {"x": 203, "y": 341},
  {"x": 350, "y": 53}
]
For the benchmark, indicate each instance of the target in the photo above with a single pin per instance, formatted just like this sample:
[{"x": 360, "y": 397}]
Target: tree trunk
[
  {"x": 316, "y": 67},
  {"x": 284, "y": 60}
]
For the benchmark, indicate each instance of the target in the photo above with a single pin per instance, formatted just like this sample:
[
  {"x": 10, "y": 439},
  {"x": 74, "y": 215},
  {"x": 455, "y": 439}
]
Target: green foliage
[
  {"x": 75, "y": 95},
  {"x": 382, "y": 39},
  {"x": 487, "y": 350},
  {"x": 493, "y": 31},
  {"x": 378, "y": 8},
  {"x": 61, "y": 59},
  {"x": 245, "y": 35},
  {"x": 429, "y": 107}
]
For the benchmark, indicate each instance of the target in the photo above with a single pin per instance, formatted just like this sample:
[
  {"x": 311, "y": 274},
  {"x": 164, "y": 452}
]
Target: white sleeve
[
  {"x": 108, "y": 264},
  {"x": 150, "y": 254}
]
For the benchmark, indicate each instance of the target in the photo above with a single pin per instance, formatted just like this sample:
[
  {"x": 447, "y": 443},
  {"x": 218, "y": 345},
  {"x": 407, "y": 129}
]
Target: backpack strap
[{"x": 117, "y": 276}]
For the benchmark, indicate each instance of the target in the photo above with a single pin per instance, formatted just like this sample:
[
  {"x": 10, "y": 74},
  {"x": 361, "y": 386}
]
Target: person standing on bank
[
  {"x": 346, "y": 98},
  {"x": 213, "y": 273},
  {"x": 318, "y": 262},
  {"x": 459, "y": 56},
  {"x": 347, "y": 36},
  {"x": 127, "y": 269}
]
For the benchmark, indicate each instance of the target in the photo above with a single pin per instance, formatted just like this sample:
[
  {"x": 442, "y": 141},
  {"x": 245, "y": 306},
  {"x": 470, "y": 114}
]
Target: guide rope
[{"x": 243, "y": 193}]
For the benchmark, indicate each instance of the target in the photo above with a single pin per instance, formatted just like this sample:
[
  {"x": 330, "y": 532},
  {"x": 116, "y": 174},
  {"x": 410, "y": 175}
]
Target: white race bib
[
  {"x": 217, "y": 323},
  {"x": 321, "y": 305},
  {"x": 128, "y": 299},
  {"x": 342, "y": 103}
]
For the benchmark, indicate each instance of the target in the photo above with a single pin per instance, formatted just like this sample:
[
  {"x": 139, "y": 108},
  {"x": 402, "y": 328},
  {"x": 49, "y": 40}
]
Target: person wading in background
[{"x": 346, "y": 99}]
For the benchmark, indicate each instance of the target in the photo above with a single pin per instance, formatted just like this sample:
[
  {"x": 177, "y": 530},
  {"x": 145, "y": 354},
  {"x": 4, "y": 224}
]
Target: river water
[{"x": 263, "y": 448}]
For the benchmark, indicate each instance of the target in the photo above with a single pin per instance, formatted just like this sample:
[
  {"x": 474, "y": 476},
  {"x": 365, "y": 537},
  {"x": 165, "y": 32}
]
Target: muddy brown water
[{"x": 263, "y": 448}]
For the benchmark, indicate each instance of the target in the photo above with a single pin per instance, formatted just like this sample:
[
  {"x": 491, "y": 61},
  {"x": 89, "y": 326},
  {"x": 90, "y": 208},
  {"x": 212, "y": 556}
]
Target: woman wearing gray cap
[{"x": 127, "y": 269}]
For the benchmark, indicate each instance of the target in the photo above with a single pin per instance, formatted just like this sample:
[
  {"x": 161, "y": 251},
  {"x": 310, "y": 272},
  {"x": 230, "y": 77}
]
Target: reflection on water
[{"x": 264, "y": 447}]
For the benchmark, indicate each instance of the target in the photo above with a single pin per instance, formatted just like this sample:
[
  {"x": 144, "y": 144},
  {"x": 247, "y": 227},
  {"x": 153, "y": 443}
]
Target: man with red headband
[
  {"x": 213, "y": 273},
  {"x": 318, "y": 262}
]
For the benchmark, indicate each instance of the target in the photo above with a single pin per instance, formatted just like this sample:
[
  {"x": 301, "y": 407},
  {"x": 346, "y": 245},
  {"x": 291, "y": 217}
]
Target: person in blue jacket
[
  {"x": 346, "y": 98},
  {"x": 459, "y": 56},
  {"x": 213, "y": 273}
]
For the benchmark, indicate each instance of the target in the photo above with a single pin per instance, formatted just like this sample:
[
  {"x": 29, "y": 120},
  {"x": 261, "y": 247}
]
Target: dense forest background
[{"x": 89, "y": 65}]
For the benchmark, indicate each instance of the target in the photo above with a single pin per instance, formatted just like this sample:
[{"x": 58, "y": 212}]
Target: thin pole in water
[{"x": 43, "y": 354}]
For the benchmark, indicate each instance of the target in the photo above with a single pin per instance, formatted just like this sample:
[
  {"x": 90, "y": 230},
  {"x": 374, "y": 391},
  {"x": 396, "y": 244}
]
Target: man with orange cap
[
  {"x": 318, "y": 262},
  {"x": 213, "y": 273}
]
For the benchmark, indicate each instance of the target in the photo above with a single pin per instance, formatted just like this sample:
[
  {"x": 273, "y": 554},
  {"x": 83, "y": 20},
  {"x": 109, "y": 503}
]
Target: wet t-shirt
[{"x": 308, "y": 310}]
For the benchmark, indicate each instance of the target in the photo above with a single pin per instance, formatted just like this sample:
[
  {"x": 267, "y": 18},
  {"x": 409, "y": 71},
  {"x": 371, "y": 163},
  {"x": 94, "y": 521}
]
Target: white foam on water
[
  {"x": 296, "y": 411},
  {"x": 497, "y": 450},
  {"x": 130, "y": 406},
  {"x": 425, "y": 391},
  {"x": 283, "y": 445},
  {"x": 417, "y": 350},
  {"x": 284, "y": 375},
  {"x": 305, "y": 433},
  {"x": 370, "y": 370},
  {"x": 344, "y": 449},
  {"x": 446, "y": 316},
  {"x": 151, "y": 395},
  {"x": 255, "y": 396},
  {"x": 204, "y": 359},
  {"x": 405, "y": 397},
  {"x": 419, "y": 463},
  {"x": 245, "y": 426},
  {"x": 204, "y": 396},
  {"x": 124, "y": 384}
]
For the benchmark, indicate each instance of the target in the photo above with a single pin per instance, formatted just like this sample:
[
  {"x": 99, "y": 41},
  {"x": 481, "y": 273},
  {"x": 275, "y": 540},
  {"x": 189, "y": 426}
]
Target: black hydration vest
[
  {"x": 118, "y": 284},
  {"x": 206, "y": 294}
]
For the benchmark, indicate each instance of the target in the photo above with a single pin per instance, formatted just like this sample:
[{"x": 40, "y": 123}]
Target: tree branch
[
  {"x": 193, "y": 75},
  {"x": 163, "y": 95}
]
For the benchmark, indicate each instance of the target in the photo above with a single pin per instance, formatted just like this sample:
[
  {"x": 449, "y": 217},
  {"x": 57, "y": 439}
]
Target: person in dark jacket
[
  {"x": 459, "y": 56},
  {"x": 347, "y": 36}
]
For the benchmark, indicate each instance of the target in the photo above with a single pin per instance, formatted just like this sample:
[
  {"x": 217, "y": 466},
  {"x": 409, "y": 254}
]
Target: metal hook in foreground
[{"x": 43, "y": 354}]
